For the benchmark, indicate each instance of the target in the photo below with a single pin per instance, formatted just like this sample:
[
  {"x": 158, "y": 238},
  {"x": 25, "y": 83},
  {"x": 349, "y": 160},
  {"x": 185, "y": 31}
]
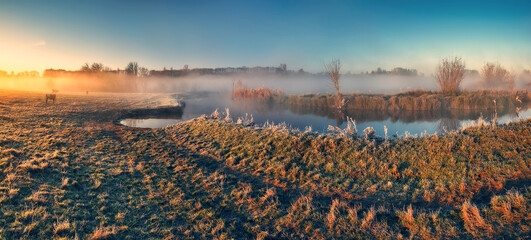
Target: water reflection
[
  {"x": 397, "y": 122},
  {"x": 398, "y": 115},
  {"x": 448, "y": 125},
  {"x": 153, "y": 117},
  {"x": 149, "y": 122}
]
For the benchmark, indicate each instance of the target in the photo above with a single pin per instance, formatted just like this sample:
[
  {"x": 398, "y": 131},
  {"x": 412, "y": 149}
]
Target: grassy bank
[
  {"x": 417, "y": 101},
  {"x": 67, "y": 171}
]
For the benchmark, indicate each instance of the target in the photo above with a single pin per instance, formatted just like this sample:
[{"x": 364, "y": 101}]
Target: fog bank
[{"x": 288, "y": 83}]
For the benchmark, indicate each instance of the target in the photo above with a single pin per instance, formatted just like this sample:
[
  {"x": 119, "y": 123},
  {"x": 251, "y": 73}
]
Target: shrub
[
  {"x": 495, "y": 76},
  {"x": 333, "y": 69},
  {"x": 263, "y": 93},
  {"x": 450, "y": 74}
]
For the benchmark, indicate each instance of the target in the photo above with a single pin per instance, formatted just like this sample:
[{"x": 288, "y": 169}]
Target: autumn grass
[
  {"x": 418, "y": 100},
  {"x": 407, "y": 107},
  {"x": 67, "y": 171},
  {"x": 240, "y": 91}
]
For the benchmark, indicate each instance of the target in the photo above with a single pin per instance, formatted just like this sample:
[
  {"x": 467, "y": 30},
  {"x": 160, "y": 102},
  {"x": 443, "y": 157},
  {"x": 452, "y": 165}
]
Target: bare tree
[
  {"x": 143, "y": 72},
  {"x": 333, "y": 69},
  {"x": 495, "y": 76},
  {"x": 132, "y": 68},
  {"x": 96, "y": 67},
  {"x": 450, "y": 74},
  {"x": 85, "y": 68}
]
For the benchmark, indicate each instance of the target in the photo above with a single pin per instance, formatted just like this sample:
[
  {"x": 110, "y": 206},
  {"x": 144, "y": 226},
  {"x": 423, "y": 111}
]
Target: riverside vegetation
[
  {"x": 417, "y": 100},
  {"x": 68, "y": 171}
]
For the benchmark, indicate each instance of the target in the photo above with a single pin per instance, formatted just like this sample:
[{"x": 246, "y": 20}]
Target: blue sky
[{"x": 303, "y": 34}]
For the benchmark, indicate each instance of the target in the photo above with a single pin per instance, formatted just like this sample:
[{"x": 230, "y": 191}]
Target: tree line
[{"x": 132, "y": 68}]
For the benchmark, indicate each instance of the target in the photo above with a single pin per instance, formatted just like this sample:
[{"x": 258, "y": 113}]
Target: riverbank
[
  {"x": 68, "y": 171},
  {"x": 419, "y": 100}
]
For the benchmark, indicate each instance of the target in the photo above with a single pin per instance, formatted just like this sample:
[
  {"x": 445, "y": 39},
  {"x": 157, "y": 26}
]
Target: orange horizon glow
[{"x": 41, "y": 36}]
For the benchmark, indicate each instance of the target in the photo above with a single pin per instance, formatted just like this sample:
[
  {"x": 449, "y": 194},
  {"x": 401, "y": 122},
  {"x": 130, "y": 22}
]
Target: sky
[{"x": 364, "y": 35}]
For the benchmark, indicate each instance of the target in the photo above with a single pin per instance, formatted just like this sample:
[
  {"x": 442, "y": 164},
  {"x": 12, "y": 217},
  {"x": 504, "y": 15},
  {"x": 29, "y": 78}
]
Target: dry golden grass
[
  {"x": 263, "y": 93},
  {"x": 61, "y": 227},
  {"x": 68, "y": 171},
  {"x": 416, "y": 101},
  {"x": 101, "y": 233}
]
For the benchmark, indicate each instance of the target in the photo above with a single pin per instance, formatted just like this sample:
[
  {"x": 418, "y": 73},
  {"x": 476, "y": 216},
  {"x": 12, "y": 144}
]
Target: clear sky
[{"x": 364, "y": 35}]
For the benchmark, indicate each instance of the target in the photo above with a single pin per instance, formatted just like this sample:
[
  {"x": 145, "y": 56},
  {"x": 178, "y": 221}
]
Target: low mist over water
[
  {"x": 289, "y": 82},
  {"x": 292, "y": 83},
  {"x": 396, "y": 123}
]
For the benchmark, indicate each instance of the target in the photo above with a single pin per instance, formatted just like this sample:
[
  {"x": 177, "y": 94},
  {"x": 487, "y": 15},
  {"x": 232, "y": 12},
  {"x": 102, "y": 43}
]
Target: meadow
[{"x": 68, "y": 171}]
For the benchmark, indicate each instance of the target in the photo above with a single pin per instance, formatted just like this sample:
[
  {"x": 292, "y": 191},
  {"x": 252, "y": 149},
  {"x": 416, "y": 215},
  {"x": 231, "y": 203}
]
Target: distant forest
[{"x": 134, "y": 69}]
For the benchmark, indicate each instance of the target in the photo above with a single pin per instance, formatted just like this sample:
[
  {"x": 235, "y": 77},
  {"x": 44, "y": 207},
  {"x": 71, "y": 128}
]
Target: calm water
[
  {"x": 397, "y": 123},
  {"x": 149, "y": 122}
]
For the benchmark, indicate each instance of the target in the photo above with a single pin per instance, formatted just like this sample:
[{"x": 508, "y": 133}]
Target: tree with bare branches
[
  {"x": 97, "y": 67},
  {"x": 85, "y": 68},
  {"x": 495, "y": 76},
  {"x": 450, "y": 74},
  {"x": 132, "y": 68},
  {"x": 333, "y": 69}
]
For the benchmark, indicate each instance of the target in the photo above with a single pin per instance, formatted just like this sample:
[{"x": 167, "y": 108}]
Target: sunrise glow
[{"x": 365, "y": 35}]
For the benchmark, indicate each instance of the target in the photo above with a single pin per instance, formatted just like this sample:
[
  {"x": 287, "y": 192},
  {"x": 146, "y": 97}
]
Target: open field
[{"x": 68, "y": 171}]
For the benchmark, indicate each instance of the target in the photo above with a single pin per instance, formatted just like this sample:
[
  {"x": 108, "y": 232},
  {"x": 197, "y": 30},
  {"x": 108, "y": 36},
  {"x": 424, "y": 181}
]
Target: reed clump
[
  {"x": 417, "y": 101},
  {"x": 240, "y": 91}
]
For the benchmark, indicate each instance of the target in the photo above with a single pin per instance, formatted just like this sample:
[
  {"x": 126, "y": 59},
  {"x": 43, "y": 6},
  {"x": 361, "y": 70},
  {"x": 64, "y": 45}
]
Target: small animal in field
[
  {"x": 50, "y": 96},
  {"x": 55, "y": 91}
]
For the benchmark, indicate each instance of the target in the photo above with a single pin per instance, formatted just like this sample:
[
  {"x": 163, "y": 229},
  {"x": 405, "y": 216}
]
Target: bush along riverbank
[{"x": 416, "y": 101}]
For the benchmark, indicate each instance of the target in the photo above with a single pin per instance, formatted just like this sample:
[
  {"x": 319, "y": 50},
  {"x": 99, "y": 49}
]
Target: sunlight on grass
[{"x": 70, "y": 172}]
